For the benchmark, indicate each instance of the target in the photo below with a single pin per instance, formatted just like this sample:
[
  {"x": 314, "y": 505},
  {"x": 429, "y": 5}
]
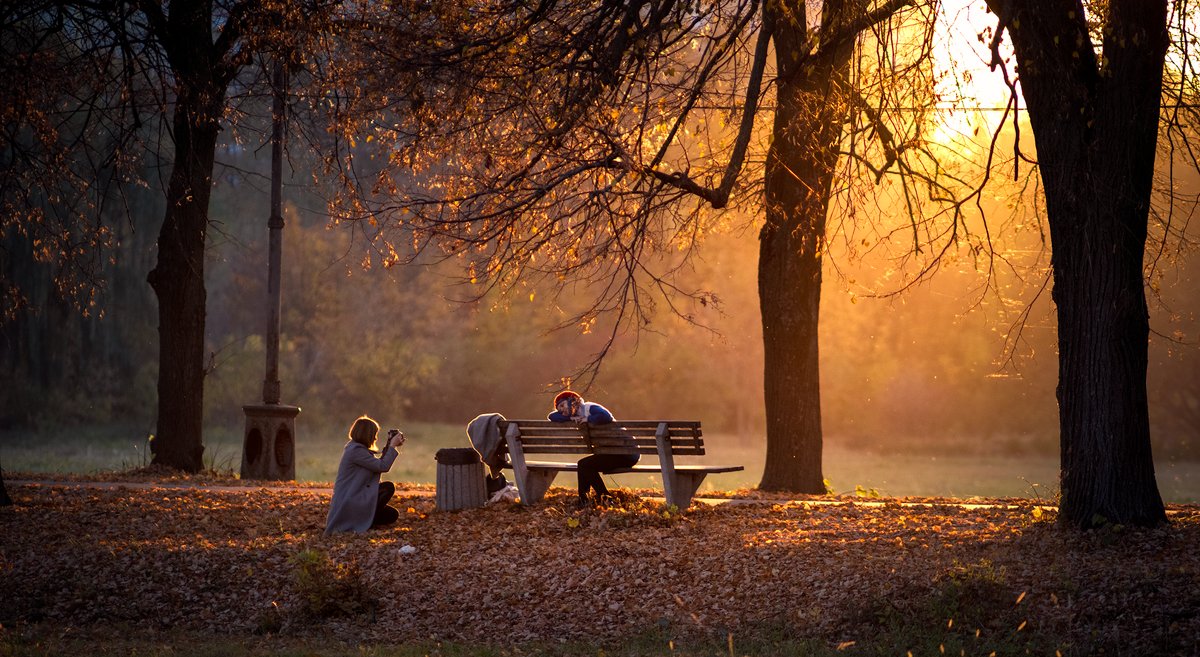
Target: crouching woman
[{"x": 360, "y": 500}]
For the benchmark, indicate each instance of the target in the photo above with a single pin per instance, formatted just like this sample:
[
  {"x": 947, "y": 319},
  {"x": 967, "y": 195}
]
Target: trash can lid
[{"x": 457, "y": 456}]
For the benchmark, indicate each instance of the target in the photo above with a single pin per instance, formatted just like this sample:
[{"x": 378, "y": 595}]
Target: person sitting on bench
[{"x": 569, "y": 406}]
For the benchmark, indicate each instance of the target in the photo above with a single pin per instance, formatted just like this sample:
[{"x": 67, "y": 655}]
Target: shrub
[{"x": 330, "y": 590}]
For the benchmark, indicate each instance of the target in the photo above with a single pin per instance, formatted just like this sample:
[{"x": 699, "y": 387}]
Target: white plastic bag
[{"x": 507, "y": 494}]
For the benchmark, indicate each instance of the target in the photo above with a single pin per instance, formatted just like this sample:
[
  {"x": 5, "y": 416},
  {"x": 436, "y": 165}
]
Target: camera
[{"x": 392, "y": 433}]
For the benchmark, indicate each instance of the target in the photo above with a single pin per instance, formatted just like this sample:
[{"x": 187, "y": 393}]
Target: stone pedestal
[
  {"x": 460, "y": 483},
  {"x": 269, "y": 446}
]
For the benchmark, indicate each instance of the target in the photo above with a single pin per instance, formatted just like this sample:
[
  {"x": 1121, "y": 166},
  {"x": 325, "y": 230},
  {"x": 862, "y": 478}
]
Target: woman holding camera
[{"x": 360, "y": 500}]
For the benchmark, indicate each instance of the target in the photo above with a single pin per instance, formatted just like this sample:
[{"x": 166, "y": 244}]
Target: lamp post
[{"x": 269, "y": 446}]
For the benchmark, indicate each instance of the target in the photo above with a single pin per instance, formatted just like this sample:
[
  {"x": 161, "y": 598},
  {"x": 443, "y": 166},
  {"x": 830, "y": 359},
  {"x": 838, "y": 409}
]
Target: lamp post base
[{"x": 269, "y": 446}]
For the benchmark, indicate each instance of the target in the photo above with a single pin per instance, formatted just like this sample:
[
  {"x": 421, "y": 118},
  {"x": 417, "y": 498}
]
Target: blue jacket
[{"x": 595, "y": 414}]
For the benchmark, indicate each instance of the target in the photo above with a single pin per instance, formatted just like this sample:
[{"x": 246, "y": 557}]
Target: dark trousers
[
  {"x": 590, "y": 468},
  {"x": 384, "y": 514}
]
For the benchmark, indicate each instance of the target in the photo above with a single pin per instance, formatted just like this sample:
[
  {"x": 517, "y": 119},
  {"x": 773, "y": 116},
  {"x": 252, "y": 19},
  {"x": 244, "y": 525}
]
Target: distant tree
[
  {"x": 101, "y": 83},
  {"x": 1092, "y": 76},
  {"x": 575, "y": 142}
]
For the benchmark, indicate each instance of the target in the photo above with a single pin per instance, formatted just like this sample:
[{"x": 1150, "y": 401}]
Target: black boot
[{"x": 495, "y": 484}]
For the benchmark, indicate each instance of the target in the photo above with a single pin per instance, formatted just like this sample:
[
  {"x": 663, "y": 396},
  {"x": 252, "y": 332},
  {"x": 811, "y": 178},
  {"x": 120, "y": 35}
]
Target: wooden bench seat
[{"x": 664, "y": 439}]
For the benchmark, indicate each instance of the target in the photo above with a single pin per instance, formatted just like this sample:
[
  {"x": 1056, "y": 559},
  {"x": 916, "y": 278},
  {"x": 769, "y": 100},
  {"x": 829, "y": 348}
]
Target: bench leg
[
  {"x": 682, "y": 486},
  {"x": 536, "y": 483},
  {"x": 531, "y": 484}
]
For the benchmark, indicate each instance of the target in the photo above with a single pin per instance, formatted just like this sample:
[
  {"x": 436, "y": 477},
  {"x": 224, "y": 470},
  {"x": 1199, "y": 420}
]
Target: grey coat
[
  {"x": 356, "y": 490},
  {"x": 484, "y": 432}
]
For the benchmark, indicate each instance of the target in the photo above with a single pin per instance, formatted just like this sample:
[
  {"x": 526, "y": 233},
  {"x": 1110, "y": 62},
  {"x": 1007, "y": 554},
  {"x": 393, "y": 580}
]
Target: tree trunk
[
  {"x": 1096, "y": 129},
  {"x": 809, "y": 115},
  {"x": 5, "y": 500},
  {"x": 1107, "y": 471},
  {"x": 178, "y": 282}
]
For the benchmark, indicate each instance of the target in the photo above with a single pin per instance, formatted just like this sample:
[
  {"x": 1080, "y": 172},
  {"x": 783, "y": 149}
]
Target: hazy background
[{"x": 932, "y": 375}]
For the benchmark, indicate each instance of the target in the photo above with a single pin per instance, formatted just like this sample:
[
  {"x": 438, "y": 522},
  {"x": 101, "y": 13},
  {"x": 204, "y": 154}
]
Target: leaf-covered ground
[{"x": 885, "y": 577}]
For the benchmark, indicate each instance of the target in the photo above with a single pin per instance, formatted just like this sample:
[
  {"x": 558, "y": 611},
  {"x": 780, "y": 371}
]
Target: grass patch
[
  {"x": 100, "y": 449},
  {"x": 121, "y": 447},
  {"x": 43, "y": 641}
]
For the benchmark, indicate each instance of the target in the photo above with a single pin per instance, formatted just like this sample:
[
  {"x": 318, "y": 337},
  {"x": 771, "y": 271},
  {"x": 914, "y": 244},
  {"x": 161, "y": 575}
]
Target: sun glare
[{"x": 972, "y": 96}]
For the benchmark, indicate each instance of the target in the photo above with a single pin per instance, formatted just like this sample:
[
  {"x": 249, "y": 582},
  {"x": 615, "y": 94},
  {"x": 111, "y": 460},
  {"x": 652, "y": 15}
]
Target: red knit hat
[{"x": 566, "y": 394}]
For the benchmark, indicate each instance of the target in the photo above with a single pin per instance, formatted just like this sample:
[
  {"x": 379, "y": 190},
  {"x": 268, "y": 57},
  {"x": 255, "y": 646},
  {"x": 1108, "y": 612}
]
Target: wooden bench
[{"x": 664, "y": 439}]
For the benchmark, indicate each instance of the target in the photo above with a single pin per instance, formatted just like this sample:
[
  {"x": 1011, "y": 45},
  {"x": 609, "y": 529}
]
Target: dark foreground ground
[{"x": 170, "y": 570}]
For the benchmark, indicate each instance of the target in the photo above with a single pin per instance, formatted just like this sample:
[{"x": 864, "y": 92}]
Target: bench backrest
[{"x": 684, "y": 438}]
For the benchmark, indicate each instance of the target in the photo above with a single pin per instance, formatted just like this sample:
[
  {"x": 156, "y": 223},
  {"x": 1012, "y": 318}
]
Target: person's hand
[
  {"x": 397, "y": 439},
  {"x": 579, "y": 419}
]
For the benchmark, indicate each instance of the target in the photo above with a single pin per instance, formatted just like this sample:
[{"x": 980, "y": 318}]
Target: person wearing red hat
[{"x": 569, "y": 406}]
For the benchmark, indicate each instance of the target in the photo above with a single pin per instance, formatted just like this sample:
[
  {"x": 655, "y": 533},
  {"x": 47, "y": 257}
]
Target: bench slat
[
  {"x": 631, "y": 424},
  {"x": 641, "y": 467},
  {"x": 606, "y": 431},
  {"x": 605, "y": 450},
  {"x": 605, "y": 440}
]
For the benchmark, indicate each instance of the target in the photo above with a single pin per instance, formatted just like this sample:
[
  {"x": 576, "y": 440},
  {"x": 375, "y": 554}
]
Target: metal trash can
[{"x": 460, "y": 483}]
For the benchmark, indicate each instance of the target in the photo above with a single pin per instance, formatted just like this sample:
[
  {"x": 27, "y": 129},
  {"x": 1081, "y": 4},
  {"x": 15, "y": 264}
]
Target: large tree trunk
[
  {"x": 1104, "y": 426},
  {"x": 178, "y": 281},
  {"x": 809, "y": 115},
  {"x": 1096, "y": 129}
]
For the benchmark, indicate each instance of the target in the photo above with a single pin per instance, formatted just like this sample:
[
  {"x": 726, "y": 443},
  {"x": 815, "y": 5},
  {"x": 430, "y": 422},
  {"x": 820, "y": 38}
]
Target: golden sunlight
[{"x": 972, "y": 96}]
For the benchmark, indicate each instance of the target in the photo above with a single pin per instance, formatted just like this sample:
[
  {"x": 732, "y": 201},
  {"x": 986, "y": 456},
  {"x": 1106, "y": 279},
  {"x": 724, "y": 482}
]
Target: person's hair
[
  {"x": 566, "y": 394},
  {"x": 363, "y": 431}
]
